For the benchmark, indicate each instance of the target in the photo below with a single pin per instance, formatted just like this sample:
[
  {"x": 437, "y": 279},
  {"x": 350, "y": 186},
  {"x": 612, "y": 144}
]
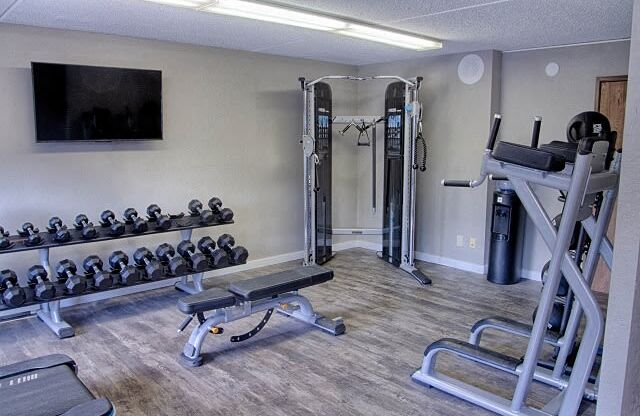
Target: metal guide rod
[
  {"x": 368, "y": 121},
  {"x": 373, "y": 167}
]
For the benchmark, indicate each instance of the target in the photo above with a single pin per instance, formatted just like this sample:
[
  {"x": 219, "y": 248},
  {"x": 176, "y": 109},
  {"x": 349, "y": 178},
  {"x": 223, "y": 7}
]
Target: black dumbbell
[
  {"x": 166, "y": 253},
  {"x": 131, "y": 217},
  {"x": 119, "y": 263},
  {"x": 60, "y": 232},
  {"x": 222, "y": 214},
  {"x": 155, "y": 214},
  {"x": 143, "y": 257},
  {"x": 87, "y": 230},
  {"x": 94, "y": 267},
  {"x": 12, "y": 294},
  {"x": 195, "y": 209},
  {"x": 217, "y": 256},
  {"x": 108, "y": 219},
  {"x": 237, "y": 255},
  {"x": 32, "y": 233},
  {"x": 4, "y": 239},
  {"x": 43, "y": 289},
  {"x": 197, "y": 261},
  {"x": 74, "y": 284}
]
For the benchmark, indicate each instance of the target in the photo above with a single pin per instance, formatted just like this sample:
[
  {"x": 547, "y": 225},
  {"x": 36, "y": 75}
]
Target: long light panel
[{"x": 270, "y": 12}]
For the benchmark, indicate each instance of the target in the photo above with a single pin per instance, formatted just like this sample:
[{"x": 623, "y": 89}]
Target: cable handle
[{"x": 423, "y": 167}]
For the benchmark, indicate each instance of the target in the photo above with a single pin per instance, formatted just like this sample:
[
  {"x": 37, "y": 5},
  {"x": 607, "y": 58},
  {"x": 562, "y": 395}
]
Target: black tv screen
[{"x": 91, "y": 103}]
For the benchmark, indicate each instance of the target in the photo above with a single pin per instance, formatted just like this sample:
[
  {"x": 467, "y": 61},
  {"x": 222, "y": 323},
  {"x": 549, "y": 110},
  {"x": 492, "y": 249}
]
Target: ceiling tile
[
  {"x": 463, "y": 25},
  {"x": 520, "y": 24},
  {"x": 4, "y": 5},
  {"x": 147, "y": 20},
  {"x": 384, "y": 11}
]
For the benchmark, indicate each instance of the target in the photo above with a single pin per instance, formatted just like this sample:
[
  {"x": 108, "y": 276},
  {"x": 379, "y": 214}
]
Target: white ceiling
[{"x": 463, "y": 25}]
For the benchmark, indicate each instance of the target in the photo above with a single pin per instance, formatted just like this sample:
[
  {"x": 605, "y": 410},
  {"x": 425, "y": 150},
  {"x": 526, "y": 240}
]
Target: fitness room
[{"x": 282, "y": 207}]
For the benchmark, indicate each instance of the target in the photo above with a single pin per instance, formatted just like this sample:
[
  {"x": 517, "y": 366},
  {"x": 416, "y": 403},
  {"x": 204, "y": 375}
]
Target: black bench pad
[
  {"x": 274, "y": 284},
  {"x": 528, "y": 157},
  {"x": 567, "y": 150},
  {"x": 207, "y": 300}
]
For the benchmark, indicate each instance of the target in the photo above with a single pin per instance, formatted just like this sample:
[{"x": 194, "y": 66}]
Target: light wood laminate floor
[{"x": 127, "y": 348}]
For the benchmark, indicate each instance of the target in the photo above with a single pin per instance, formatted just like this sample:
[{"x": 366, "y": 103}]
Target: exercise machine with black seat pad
[
  {"x": 48, "y": 386},
  {"x": 595, "y": 171},
  {"x": 276, "y": 291},
  {"x": 561, "y": 329}
]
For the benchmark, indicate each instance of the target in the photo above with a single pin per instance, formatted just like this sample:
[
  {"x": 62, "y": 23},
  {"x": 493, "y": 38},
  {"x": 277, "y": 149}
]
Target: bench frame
[{"x": 289, "y": 304}]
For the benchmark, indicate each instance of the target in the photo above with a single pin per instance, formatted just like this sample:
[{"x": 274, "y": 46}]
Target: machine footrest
[
  {"x": 513, "y": 327},
  {"x": 475, "y": 353}
]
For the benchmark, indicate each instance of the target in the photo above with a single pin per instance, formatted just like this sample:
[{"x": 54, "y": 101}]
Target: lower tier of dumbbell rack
[
  {"x": 7, "y": 313},
  {"x": 106, "y": 293}
]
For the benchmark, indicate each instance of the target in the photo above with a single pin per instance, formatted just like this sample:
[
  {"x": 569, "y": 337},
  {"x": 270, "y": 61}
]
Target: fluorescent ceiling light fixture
[
  {"x": 274, "y": 13},
  {"x": 182, "y": 3}
]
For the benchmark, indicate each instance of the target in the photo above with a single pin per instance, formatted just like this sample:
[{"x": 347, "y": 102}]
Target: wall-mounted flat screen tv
[{"x": 76, "y": 103}]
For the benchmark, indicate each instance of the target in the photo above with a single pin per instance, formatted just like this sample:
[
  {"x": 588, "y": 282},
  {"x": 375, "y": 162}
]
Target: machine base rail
[{"x": 510, "y": 326}]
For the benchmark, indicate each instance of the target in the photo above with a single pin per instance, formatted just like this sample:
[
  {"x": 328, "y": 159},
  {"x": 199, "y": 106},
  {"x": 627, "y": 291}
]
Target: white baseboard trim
[
  {"x": 449, "y": 262},
  {"x": 345, "y": 245},
  {"x": 531, "y": 275},
  {"x": 367, "y": 245}
]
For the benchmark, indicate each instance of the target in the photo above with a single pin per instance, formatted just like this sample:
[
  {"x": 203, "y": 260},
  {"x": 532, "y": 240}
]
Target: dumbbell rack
[{"x": 49, "y": 311}]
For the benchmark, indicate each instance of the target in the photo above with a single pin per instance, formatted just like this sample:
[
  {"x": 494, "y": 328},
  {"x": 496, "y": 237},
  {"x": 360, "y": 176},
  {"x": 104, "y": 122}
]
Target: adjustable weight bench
[
  {"x": 277, "y": 291},
  {"x": 48, "y": 386}
]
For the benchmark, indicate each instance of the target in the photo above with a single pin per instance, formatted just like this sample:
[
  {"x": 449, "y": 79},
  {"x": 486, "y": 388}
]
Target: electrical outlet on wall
[
  {"x": 472, "y": 242},
  {"x": 460, "y": 241}
]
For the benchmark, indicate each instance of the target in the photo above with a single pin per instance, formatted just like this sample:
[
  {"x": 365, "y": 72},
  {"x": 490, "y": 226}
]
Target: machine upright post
[
  {"x": 309, "y": 178},
  {"x": 49, "y": 312}
]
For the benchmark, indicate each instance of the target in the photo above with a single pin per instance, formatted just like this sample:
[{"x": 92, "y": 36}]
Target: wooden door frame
[{"x": 600, "y": 80}]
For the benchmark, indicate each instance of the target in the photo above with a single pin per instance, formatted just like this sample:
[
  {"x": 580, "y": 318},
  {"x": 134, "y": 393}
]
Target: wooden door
[{"x": 611, "y": 97}]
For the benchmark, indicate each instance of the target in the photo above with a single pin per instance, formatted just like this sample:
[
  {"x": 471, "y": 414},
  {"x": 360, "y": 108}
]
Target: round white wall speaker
[
  {"x": 552, "y": 69},
  {"x": 470, "y": 69}
]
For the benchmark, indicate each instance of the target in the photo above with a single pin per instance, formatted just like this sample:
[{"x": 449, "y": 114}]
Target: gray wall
[
  {"x": 456, "y": 125},
  {"x": 527, "y": 91},
  {"x": 232, "y": 124},
  {"x": 620, "y": 384},
  {"x": 456, "y": 119}
]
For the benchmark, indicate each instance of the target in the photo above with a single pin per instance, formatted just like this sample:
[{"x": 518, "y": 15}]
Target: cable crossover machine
[{"x": 402, "y": 132}]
